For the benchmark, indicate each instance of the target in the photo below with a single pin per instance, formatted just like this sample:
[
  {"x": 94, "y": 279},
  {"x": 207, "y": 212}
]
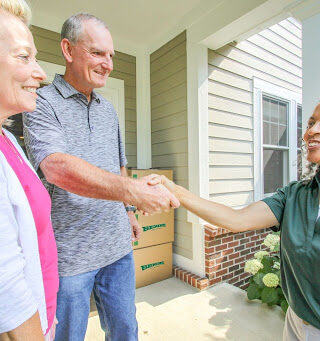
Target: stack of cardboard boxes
[{"x": 153, "y": 251}]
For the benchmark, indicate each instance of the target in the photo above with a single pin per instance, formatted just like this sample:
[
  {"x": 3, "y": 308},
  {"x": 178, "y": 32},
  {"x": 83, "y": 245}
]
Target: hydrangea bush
[{"x": 265, "y": 268}]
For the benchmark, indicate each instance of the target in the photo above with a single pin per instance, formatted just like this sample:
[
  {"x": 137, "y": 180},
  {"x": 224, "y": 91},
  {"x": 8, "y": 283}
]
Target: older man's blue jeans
[{"x": 114, "y": 291}]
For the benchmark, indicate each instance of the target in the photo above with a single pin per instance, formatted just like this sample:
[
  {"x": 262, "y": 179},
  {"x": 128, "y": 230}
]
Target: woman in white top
[{"x": 28, "y": 255}]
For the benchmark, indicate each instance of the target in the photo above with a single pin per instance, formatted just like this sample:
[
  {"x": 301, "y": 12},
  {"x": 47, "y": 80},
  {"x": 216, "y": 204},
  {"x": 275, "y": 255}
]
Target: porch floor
[{"x": 172, "y": 310}]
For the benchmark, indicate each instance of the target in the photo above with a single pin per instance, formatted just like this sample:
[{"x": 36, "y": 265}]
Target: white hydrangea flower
[
  {"x": 260, "y": 254},
  {"x": 271, "y": 280},
  {"x": 276, "y": 265},
  {"x": 253, "y": 266},
  {"x": 271, "y": 241}
]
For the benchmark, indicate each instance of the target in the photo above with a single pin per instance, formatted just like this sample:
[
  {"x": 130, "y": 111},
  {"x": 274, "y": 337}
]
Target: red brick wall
[
  {"x": 225, "y": 257},
  {"x": 226, "y": 254}
]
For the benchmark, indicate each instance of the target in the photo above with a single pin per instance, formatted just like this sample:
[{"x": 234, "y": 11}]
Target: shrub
[{"x": 265, "y": 283}]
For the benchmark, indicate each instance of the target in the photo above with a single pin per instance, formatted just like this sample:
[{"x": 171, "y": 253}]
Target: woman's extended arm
[
  {"x": 256, "y": 216},
  {"x": 30, "y": 330}
]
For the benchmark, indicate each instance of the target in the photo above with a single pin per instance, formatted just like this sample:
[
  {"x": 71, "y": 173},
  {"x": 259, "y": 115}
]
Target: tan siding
[
  {"x": 230, "y": 146},
  {"x": 279, "y": 51},
  {"x": 221, "y": 173},
  {"x": 280, "y": 41},
  {"x": 229, "y": 91},
  {"x": 170, "y": 108},
  {"x": 256, "y": 63},
  {"x": 228, "y": 118},
  {"x": 233, "y": 199},
  {"x": 169, "y": 130},
  {"x": 249, "y": 72},
  {"x": 48, "y": 45},
  {"x": 273, "y": 55},
  {"x": 281, "y": 31}
]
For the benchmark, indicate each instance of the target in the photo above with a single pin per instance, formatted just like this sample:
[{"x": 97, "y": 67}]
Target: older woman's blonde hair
[{"x": 18, "y": 8}]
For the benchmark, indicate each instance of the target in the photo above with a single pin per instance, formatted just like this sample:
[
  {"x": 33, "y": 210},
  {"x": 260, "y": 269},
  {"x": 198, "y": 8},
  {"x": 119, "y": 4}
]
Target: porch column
[
  {"x": 144, "y": 159},
  {"x": 310, "y": 65}
]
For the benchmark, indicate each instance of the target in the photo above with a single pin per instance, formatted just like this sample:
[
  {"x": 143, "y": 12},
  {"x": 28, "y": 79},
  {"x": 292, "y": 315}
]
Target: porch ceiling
[
  {"x": 138, "y": 25},
  {"x": 133, "y": 22}
]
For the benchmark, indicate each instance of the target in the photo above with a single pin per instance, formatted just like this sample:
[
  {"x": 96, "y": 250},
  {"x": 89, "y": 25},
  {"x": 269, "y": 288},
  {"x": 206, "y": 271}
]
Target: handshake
[{"x": 153, "y": 194}]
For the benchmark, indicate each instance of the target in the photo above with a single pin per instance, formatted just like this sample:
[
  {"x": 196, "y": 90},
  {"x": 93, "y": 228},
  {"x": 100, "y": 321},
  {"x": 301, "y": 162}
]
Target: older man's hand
[
  {"x": 156, "y": 179},
  {"x": 151, "y": 199}
]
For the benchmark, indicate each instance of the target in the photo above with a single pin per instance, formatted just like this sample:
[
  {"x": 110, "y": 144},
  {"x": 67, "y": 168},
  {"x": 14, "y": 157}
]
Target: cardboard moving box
[
  {"x": 158, "y": 228},
  {"x": 139, "y": 173},
  {"x": 153, "y": 264}
]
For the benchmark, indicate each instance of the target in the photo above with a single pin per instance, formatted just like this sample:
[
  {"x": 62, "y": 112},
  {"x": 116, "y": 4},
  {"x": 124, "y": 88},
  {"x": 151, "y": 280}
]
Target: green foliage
[
  {"x": 271, "y": 295},
  {"x": 267, "y": 263},
  {"x": 284, "y": 305},
  {"x": 257, "y": 278},
  {"x": 253, "y": 291}
]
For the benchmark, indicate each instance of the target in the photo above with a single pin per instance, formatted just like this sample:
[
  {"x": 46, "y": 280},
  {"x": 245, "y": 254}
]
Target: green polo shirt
[{"x": 296, "y": 208}]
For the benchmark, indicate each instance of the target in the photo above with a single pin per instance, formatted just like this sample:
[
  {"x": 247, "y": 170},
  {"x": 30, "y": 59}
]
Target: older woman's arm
[
  {"x": 29, "y": 330},
  {"x": 253, "y": 217},
  {"x": 19, "y": 318}
]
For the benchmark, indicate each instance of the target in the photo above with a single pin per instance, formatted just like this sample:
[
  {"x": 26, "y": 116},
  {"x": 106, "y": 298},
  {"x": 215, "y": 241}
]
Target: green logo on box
[
  {"x": 135, "y": 176},
  {"x": 135, "y": 243},
  {"x": 151, "y": 265},
  {"x": 152, "y": 227}
]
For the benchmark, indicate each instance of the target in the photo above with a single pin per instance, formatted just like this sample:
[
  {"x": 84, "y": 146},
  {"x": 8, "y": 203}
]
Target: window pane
[
  {"x": 283, "y": 109},
  {"x": 266, "y": 132},
  {"x": 266, "y": 108},
  {"x": 274, "y": 134},
  {"x": 283, "y": 135},
  {"x": 299, "y": 126},
  {"x": 273, "y": 166},
  {"x": 299, "y": 165},
  {"x": 299, "y": 142},
  {"x": 276, "y": 113}
]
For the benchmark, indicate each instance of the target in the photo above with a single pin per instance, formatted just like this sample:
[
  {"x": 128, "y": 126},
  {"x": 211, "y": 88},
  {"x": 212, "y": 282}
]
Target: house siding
[
  {"x": 124, "y": 67},
  {"x": 273, "y": 55},
  {"x": 169, "y": 129}
]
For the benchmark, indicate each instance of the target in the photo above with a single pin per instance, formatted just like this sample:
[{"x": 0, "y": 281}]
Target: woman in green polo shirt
[{"x": 296, "y": 209}]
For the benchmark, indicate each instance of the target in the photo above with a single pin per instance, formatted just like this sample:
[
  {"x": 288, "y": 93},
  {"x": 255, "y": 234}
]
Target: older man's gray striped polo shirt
[{"x": 90, "y": 233}]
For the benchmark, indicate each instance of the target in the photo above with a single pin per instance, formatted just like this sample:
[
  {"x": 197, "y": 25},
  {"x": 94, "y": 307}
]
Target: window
[
  {"x": 275, "y": 143},
  {"x": 299, "y": 141},
  {"x": 277, "y": 137}
]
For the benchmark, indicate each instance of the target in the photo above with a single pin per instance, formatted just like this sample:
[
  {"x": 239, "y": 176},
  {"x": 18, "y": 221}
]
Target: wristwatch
[{"x": 131, "y": 208}]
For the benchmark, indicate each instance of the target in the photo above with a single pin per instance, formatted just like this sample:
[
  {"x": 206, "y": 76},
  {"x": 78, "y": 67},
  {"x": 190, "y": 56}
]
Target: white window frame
[{"x": 260, "y": 88}]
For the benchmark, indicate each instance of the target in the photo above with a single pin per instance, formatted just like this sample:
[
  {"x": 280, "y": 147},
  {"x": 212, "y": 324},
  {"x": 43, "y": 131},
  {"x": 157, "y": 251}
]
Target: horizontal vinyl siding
[
  {"x": 48, "y": 46},
  {"x": 169, "y": 130},
  {"x": 273, "y": 55}
]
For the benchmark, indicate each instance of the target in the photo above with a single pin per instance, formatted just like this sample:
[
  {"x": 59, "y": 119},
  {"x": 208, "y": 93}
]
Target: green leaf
[
  {"x": 258, "y": 279},
  {"x": 269, "y": 296},
  {"x": 280, "y": 292},
  {"x": 253, "y": 291},
  {"x": 267, "y": 263},
  {"x": 276, "y": 248},
  {"x": 284, "y": 305}
]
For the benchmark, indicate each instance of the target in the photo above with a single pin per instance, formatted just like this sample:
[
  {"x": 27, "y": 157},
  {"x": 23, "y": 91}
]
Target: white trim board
[
  {"x": 112, "y": 91},
  {"x": 198, "y": 163},
  {"x": 143, "y": 94}
]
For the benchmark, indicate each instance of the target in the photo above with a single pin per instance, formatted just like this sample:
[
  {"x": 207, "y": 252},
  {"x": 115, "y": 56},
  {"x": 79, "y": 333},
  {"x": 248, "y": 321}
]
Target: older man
[{"x": 74, "y": 138}]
